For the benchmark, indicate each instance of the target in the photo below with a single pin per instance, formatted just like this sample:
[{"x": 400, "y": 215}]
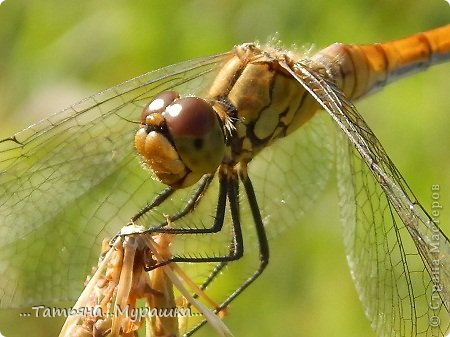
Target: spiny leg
[
  {"x": 194, "y": 199},
  {"x": 262, "y": 239},
  {"x": 188, "y": 207},
  {"x": 263, "y": 250},
  {"x": 228, "y": 189}
]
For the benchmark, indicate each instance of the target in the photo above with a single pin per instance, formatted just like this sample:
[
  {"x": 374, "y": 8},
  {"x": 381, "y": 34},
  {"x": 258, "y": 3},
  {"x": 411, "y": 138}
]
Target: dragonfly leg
[
  {"x": 188, "y": 207},
  {"x": 195, "y": 198},
  {"x": 228, "y": 188},
  {"x": 263, "y": 252},
  {"x": 159, "y": 199},
  {"x": 262, "y": 239}
]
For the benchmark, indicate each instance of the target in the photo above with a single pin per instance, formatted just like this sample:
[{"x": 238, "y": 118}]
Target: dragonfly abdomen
[{"x": 360, "y": 69}]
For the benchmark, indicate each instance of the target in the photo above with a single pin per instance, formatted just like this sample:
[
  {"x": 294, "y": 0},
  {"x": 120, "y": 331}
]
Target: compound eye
[
  {"x": 197, "y": 134},
  {"x": 158, "y": 104}
]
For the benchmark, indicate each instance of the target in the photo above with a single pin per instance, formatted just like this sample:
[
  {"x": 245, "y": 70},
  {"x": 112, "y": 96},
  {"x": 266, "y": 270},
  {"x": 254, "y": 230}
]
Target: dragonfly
[{"x": 224, "y": 151}]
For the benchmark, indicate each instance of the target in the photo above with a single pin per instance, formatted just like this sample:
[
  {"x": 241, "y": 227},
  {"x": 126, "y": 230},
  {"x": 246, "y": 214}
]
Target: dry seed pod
[{"x": 109, "y": 305}]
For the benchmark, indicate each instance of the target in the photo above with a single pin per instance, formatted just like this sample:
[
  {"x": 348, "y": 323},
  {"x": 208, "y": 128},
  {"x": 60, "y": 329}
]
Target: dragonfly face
[{"x": 180, "y": 139}]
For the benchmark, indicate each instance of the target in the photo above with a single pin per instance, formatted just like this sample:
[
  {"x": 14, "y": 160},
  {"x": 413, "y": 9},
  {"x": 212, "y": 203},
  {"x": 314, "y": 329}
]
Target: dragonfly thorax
[{"x": 260, "y": 98}]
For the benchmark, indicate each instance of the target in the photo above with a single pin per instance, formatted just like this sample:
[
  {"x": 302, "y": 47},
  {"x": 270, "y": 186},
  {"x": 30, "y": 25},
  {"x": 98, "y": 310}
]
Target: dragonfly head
[{"x": 180, "y": 139}]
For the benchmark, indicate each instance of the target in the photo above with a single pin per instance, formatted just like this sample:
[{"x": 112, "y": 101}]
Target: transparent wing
[
  {"x": 71, "y": 180},
  {"x": 399, "y": 259},
  {"x": 389, "y": 272},
  {"x": 289, "y": 175}
]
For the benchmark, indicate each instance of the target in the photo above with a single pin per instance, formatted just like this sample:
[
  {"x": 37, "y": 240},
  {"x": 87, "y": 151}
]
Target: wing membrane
[
  {"x": 289, "y": 175},
  {"x": 73, "y": 179},
  {"x": 402, "y": 280}
]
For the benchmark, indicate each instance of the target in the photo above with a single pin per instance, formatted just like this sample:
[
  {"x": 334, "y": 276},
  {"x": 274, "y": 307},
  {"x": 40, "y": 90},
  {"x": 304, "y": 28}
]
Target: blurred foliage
[{"x": 53, "y": 53}]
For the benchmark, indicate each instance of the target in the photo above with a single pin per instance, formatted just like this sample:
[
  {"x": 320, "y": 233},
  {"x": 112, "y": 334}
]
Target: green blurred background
[{"x": 54, "y": 53}]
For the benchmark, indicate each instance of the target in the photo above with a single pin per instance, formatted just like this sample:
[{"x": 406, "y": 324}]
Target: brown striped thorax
[{"x": 252, "y": 101}]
